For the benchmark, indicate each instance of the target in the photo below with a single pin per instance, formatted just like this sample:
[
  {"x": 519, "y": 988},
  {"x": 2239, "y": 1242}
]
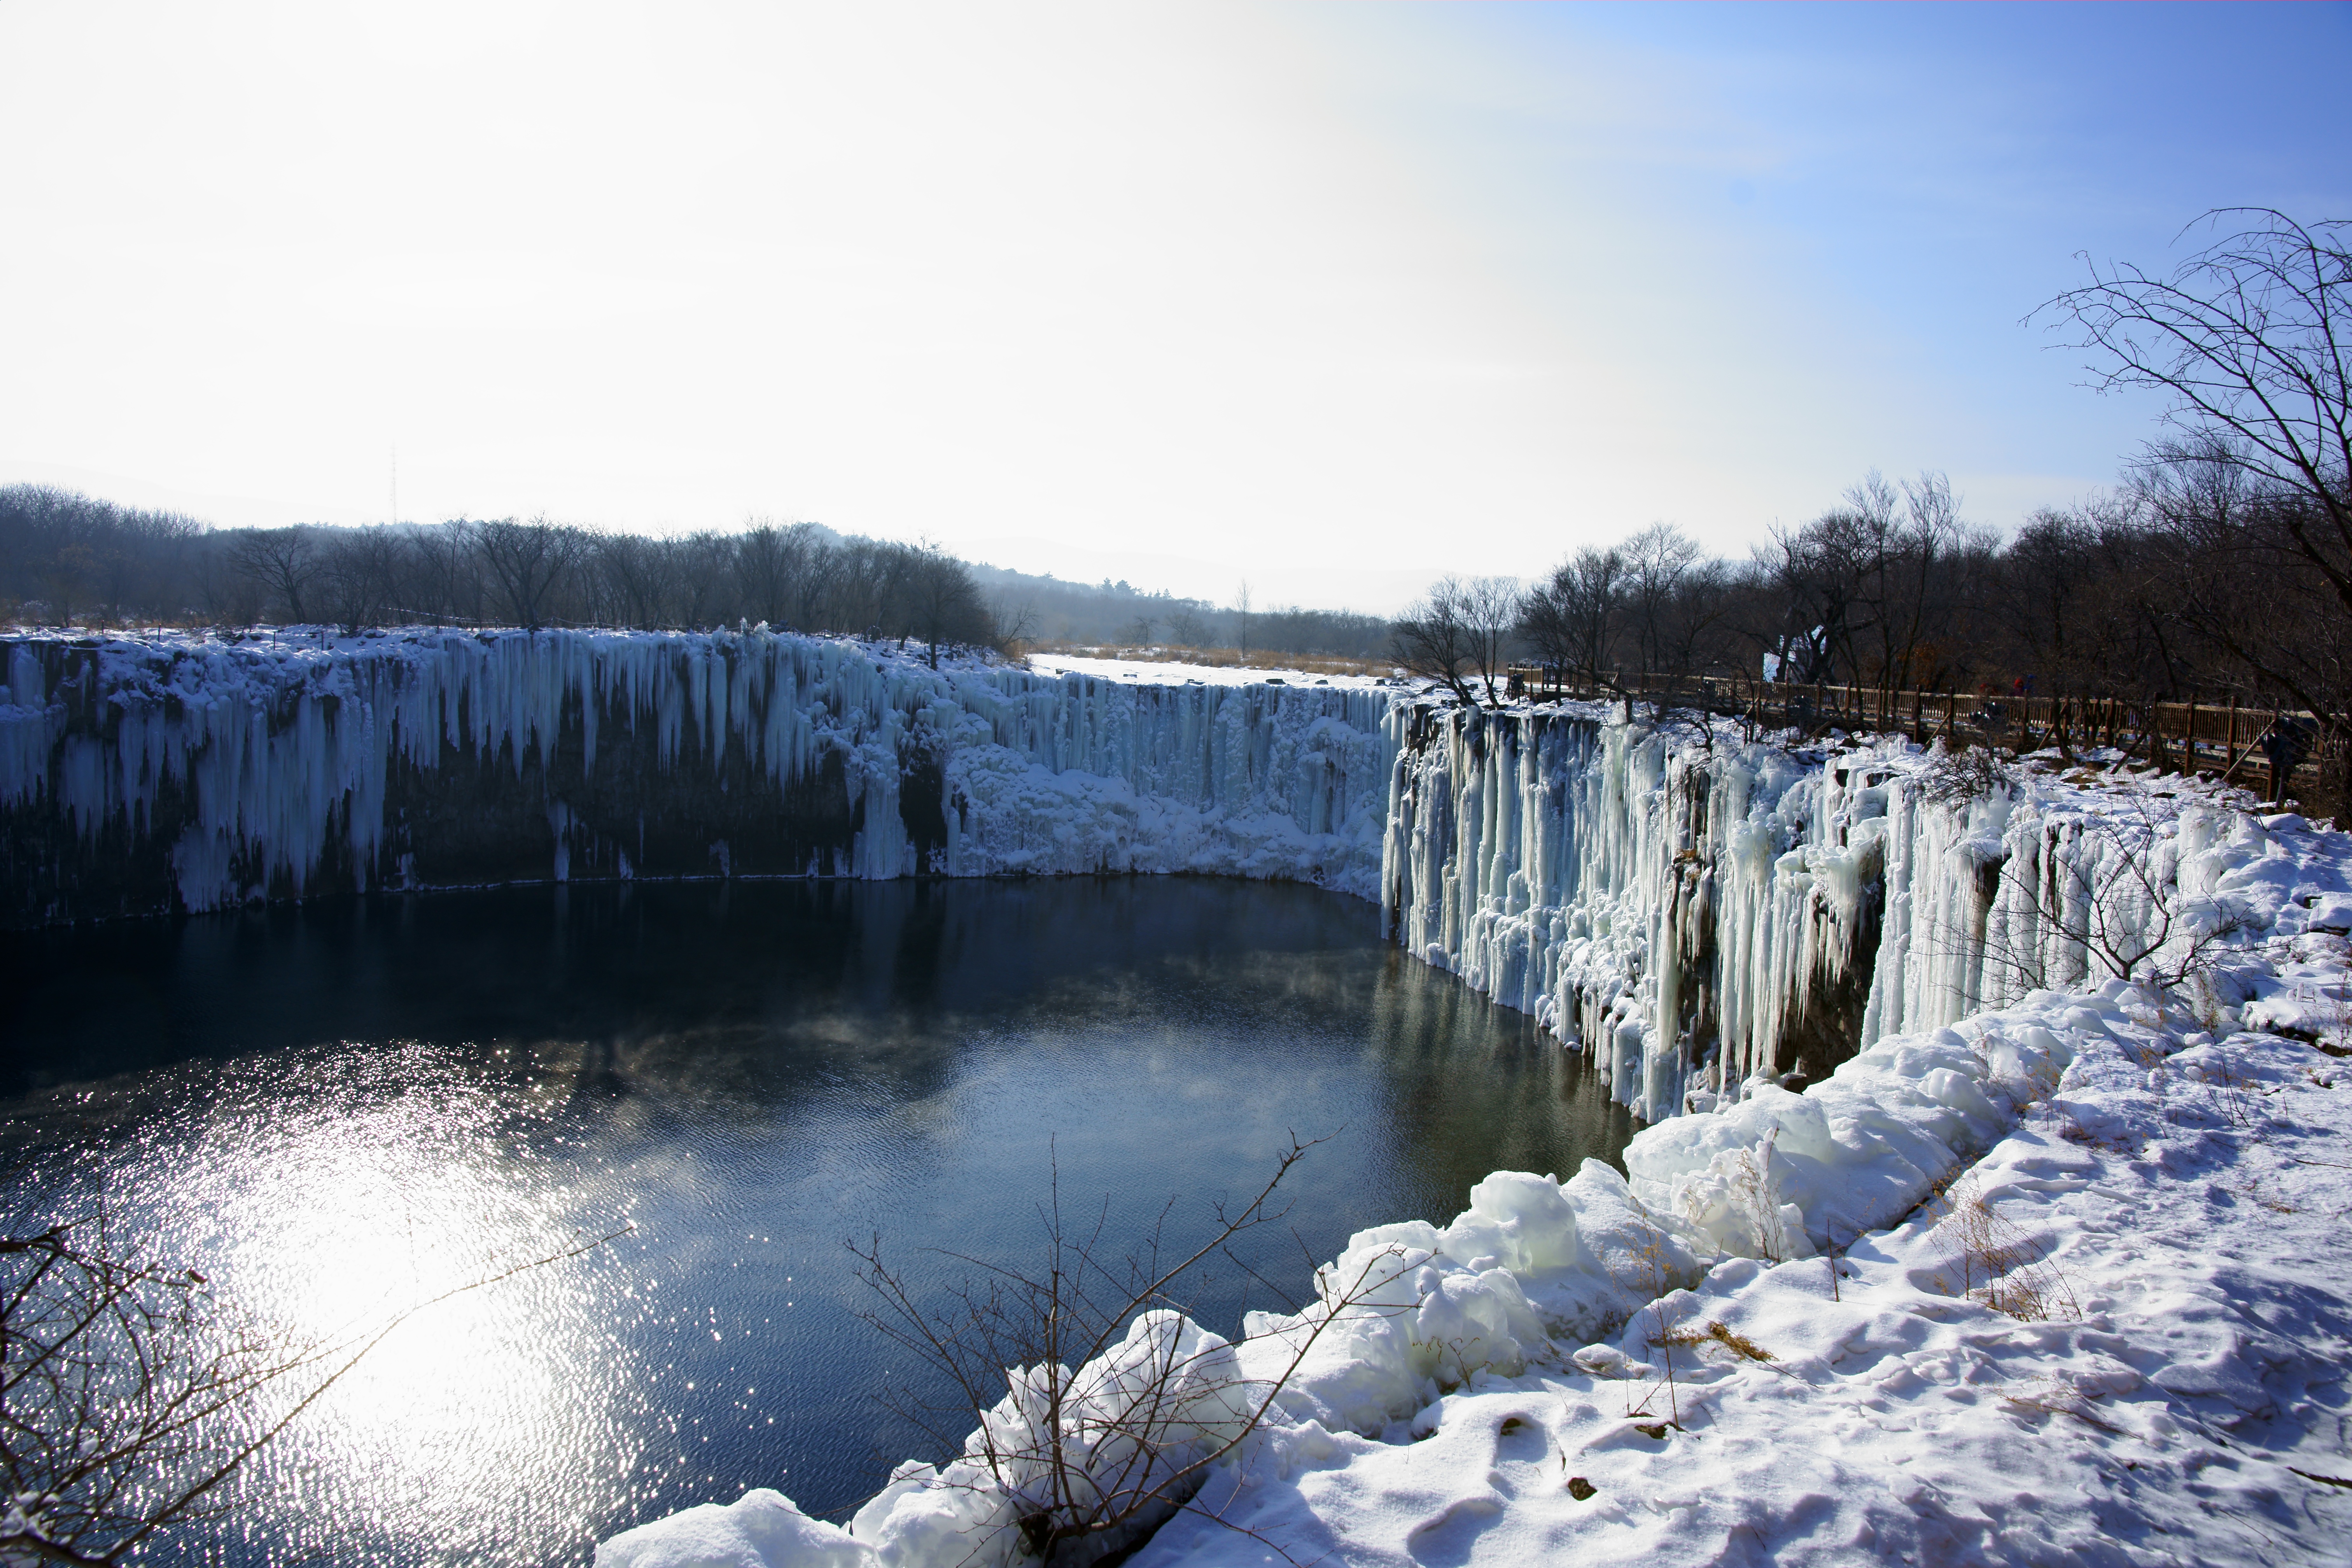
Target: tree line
[
  {"x": 65, "y": 557},
  {"x": 2220, "y": 565},
  {"x": 1058, "y": 610}
]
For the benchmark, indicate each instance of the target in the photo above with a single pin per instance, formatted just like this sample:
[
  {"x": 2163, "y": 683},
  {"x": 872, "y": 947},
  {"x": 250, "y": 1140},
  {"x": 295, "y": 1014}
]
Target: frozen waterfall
[
  {"x": 1699, "y": 913},
  {"x": 1696, "y": 912}
]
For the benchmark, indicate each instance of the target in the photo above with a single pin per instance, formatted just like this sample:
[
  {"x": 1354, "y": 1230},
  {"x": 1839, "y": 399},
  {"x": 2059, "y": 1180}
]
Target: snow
[
  {"x": 1176, "y": 672},
  {"x": 2175, "y": 1395}
]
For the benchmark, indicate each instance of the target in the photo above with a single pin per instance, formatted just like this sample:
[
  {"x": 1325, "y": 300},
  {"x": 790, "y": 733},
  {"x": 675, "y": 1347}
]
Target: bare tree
[
  {"x": 1118, "y": 1405},
  {"x": 526, "y": 561},
  {"x": 1571, "y": 618},
  {"x": 1658, "y": 560},
  {"x": 440, "y": 582},
  {"x": 944, "y": 605},
  {"x": 283, "y": 563},
  {"x": 1433, "y": 639},
  {"x": 639, "y": 575},
  {"x": 1490, "y": 613},
  {"x": 2251, "y": 341},
  {"x": 769, "y": 562},
  {"x": 360, "y": 573}
]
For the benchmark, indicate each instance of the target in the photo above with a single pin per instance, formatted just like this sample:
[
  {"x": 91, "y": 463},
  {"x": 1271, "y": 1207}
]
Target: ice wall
[
  {"x": 139, "y": 775},
  {"x": 1699, "y": 914}
]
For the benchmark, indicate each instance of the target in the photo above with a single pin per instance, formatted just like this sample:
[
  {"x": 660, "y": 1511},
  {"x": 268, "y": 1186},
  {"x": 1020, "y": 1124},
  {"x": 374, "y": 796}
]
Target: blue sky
[
  {"x": 1859, "y": 205},
  {"x": 1329, "y": 297}
]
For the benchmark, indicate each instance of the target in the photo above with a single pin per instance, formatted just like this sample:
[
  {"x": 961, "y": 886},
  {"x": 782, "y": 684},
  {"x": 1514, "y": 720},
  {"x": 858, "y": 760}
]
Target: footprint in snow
[{"x": 1447, "y": 1538}]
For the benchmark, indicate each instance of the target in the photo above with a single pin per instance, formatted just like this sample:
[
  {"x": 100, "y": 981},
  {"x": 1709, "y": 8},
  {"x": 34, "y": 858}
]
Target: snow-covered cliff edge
[{"x": 2034, "y": 1277}]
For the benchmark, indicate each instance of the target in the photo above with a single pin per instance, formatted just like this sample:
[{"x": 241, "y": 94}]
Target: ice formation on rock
[
  {"x": 1696, "y": 913},
  {"x": 268, "y": 766}
]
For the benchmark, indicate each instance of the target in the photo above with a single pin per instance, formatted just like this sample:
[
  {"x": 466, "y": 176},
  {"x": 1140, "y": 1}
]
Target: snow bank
[{"x": 2152, "y": 1373}]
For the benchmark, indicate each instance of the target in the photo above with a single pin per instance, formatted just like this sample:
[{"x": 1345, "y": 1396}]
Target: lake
[{"x": 343, "y": 1109}]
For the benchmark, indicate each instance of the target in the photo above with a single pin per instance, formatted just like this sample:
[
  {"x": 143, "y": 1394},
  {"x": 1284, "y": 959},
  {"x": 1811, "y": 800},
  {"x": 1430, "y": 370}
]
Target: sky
[{"x": 1325, "y": 299}]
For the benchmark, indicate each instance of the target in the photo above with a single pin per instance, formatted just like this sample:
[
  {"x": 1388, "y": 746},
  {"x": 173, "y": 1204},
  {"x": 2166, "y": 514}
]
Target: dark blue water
[{"x": 341, "y": 1110}]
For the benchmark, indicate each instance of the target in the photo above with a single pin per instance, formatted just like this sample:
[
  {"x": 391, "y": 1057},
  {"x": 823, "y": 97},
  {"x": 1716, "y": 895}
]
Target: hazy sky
[{"x": 1331, "y": 297}]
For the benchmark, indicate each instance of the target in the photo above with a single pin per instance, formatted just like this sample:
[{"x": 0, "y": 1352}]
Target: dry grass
[
  {"x": 1722, "y": 1334},
  {"x": 1993, "y": 1262},
  {"x": 1752, "y": 1191}
]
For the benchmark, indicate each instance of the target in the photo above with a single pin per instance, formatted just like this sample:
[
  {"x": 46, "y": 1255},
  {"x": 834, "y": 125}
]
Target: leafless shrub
[
  {"x": 1751, "y": 1193},
  {"x": 1656, "y": 1284},
  {"x": 131, "y": 1395},
  {"x": 1117, "y": 1404},
  {"x": 2239, "y": 1098},
  {"x": 1971, "y": 774},
  {"x": 2104, "y": 883}
]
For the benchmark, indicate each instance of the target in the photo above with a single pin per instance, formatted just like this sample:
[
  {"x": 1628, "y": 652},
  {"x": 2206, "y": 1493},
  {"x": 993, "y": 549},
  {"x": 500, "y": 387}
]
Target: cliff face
[
  {"x": 1692, "y": 916},
  {"x": 1696, "y": 912},
  {"x": 148, "y": 775}
]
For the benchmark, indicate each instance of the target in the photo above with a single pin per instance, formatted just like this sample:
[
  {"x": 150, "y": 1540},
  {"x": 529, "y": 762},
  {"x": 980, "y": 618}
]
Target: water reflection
[{"x": 343, "y": 1109}]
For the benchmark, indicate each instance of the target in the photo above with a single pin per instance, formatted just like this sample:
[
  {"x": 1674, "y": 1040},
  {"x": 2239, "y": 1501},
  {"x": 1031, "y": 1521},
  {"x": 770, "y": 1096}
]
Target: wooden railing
[{"x": 2229, "y": 742}]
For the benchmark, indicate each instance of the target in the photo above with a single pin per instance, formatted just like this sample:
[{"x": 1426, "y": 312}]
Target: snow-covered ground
[
  {"x": 1165, "y": 672},
  {"x": 2059, "y": 1275},
  {"x": 2157, "y": 1377}
]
